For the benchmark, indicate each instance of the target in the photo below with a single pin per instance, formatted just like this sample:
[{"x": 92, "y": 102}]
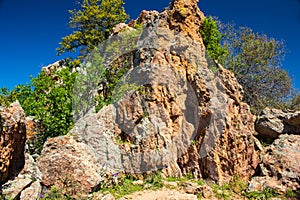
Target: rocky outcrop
[
  {"x": 274, "y": 122},
  {"x": 176, "y": 110},
  {"x": 12, "y": 141},
  {"x": 280, "y": 166}
]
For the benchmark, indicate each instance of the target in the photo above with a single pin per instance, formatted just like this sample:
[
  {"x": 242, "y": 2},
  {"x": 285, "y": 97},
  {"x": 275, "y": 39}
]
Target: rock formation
[
  {"x": 12, "y": 141},
  {"x": 179, "y": 115},
  {"x": 280, "y": 166},
  {"x": 274, "y": 122},
  {"x": 175, "y": 110}
]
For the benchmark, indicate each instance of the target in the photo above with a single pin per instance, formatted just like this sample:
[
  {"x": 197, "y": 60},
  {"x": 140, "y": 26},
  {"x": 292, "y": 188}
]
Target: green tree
[
  {"x": 19, "y": 92},
  {"x": 256, "y": 61},
  {"x": 295, "y": 102},
  {"x": 92, "y": 24},
  {"x": 49, "y": 99},
  {"x": 212, "y": 38},
  {"x": 51, "y": 103}
]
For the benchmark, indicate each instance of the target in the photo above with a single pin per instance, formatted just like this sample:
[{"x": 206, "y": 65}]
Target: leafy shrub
[
  {"x": 51, "y": 103},
  {"x": 48, "y": 98},
  {"x": 292, "y": 194},
  {"x": 238, "y": 185},
  {"x": 92, "y": 24},
  {"x": 54, "y": 193},
  {"x": 212, "y": 38}
]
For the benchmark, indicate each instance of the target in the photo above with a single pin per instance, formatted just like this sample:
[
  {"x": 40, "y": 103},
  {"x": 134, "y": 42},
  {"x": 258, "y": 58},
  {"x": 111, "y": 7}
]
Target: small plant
[
  {"x": 266, "y": 194},
  {"x": 122, "y": 187},
  {"x": 182, "y": 180},
  {"x": 222, "y": 192},
  {"x": 292, "y": 194},
  {"x": 155, "y": 180},
  {"x": 238, "y": 185},
  {"x": 54, "y": 194}
]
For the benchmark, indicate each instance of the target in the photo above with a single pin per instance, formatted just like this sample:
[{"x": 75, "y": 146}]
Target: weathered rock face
[
  {"x": 274, "y": 122},
  {"x": 12, "y": 140},
  {"x": 280, "y": 165},
  {"x": 183, "y": 113},
  {"x": 226, "y": 144}
]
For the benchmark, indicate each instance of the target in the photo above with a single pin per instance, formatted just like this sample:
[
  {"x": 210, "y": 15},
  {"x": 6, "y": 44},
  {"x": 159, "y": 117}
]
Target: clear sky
[{"x": 31, "y": 30}]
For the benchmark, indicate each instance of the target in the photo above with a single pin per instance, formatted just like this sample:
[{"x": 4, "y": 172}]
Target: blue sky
[{"x": 32, "y": 29}]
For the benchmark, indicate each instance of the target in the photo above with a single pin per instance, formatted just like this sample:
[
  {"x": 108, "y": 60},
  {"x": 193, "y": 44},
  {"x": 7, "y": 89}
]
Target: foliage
[
  {"x": 92, "y": 24},
  {"x": 54, "y": 193},
  {"x": 51, "y": 102},
  {"x": 126, "y": 187},
  {"x": 295, "y": 102},
  {"x": 48, "y": 98},
  {"x": 104, "y": 69},
  {"x": 293, "y": 194},
  {"x": 256, "y": 60},
  {"x": 238, "y": 185},
  {"x": 222, "y": 192},
  {"x": 19, "y": 92},
  {"x": 212, "y": 38},
  {"x": 267, "y": 193},
  {"x": 125, "y": 184}
]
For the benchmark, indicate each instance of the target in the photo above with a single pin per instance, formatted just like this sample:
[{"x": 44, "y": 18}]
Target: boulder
[
  {"x": 280, "y": 166},
  {"x": 274, "y": 122},
  {"x": 12, "y": 141},
  {"x": 69, "y": 165}
]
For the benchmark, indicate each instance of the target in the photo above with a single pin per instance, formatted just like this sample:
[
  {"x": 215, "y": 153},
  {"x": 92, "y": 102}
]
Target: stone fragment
[
  {"x": 32, "y": 192},
  {"x": 13, "y": 188}
]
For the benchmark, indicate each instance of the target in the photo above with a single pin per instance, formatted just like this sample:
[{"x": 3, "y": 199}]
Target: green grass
[
  {"x": 292, "y": 194},
  {"x": 127, "y": 187},
  {"x": 222, "y": 192},
  {"x": 151, "y": 182},
  {"x": 266, "y": 194}
]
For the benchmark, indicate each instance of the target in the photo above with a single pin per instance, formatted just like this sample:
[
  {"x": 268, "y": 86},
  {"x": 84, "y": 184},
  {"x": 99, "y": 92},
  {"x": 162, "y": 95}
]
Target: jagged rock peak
[
  {"x": 186, "y": 17},
  {"x": 183, "y": 3},
  {"x": 182, "y": 16}
]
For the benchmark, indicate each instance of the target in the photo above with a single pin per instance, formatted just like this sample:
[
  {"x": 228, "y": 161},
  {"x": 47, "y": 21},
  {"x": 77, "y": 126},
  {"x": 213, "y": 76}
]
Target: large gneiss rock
[
  {"x": 182, "y": 113},
  {"x": 12, "y": 141},
  {"x": 274, "y": 122}
]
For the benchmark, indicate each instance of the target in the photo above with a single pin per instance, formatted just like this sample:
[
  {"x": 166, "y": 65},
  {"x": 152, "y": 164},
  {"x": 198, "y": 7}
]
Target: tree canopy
[
  {"x": 92, "y": 24},
  {"x": 256, "y": 61}
]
